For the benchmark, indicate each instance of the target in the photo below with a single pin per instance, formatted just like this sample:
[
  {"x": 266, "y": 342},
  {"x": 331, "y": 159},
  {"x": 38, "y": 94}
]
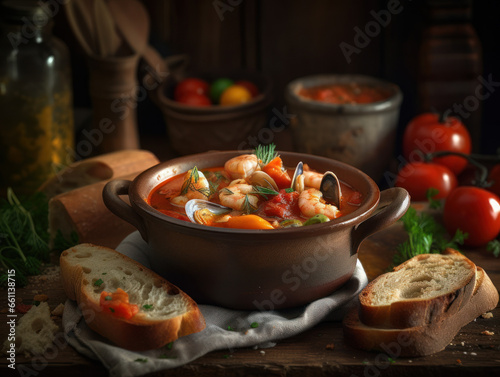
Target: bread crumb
[
  {"x": 58, "y": 310},
  {"x": 487, "y": 315},
  {"x": 486, "y": 332},
  {"x": 330, "y": 346},
  {"x": 262, "y": 352},
  {"x": 462, "y": 344},
  {"x": 35, "y": 331},
  {"x": 410, "y": 361},
  {"x": 41, "y": 298},
  {"x": 473, "y": 354}
]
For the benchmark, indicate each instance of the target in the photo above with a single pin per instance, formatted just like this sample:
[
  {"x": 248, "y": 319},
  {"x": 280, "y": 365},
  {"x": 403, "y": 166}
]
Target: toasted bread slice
[
  {"x": 165, "y": 312},
  {"x": 418, "y": 292},
  {"x": 421, "y": 340}
]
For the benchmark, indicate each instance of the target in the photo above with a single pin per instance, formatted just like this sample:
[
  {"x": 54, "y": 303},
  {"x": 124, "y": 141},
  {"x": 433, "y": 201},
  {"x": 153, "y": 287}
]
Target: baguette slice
[
  {"x": 173, "y": 313},
  {"x": 421, "y": 340},
  {"x": 419, "y": 291}
]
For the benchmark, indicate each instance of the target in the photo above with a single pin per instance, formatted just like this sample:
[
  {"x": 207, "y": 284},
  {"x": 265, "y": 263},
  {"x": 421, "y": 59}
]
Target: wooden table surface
[{"x": 307, "y": 354}]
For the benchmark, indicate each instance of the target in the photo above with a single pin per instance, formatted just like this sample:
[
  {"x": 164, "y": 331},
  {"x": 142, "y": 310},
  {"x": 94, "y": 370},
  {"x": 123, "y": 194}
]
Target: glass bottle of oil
[{"x": 36, "y": 116}]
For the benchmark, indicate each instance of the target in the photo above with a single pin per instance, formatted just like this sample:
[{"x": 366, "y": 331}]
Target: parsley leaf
[
  {"x": 425, "y": 236},
  {"x": 494, "y": 247}
]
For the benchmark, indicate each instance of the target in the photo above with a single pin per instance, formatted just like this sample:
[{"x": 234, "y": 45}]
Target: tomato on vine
[
  {"x": 430, "y": 132},
  {"x": 419, "y": 177},
  {"x": 475, "y": 211}
]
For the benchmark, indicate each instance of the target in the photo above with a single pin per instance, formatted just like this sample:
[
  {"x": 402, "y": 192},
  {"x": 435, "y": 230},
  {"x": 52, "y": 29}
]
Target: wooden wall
[{"x": 287, "y": 39}]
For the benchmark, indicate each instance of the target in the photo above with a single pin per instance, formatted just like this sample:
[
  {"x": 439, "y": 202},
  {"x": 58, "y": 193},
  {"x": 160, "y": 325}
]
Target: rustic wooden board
[{"x": 309, "y": 353}]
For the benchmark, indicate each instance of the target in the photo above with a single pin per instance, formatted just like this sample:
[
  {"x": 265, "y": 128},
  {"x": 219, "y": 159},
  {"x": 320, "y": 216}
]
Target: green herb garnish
[
  {"x": 140, "y": 360},
  {"x": 191, "y": 181},
  {"x": 247, "y": 206},
  {"x": 111, "y": 310},
  {"x": 98, "y": 282},
  {"x": 229, "y": 328},
  {"x": 425, "y": 236},
  {"x": 226, "y": 191},
  {"x": 170, "y": 345},
  {"x": 147, "y": 307},
  {"x": 289, "y": 190},
  {"x": 263, "y": 191},
  {"x": 24, "y": 239},
  {"x": 265, "y": 153},
  {"x": 494, "y": 247},
  {"x": 433, "y": 203},
  {"x": 254, "y": 325},
  {"x": 108, "y": 298}
]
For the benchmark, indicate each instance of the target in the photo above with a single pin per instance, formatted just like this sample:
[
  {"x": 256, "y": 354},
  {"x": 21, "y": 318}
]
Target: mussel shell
[
  {"x": 262, "y": 179},
  {"x": 299, "y": 170},
  {"x": 330, "y": 188},
  {"x": 195, "y": 205}
]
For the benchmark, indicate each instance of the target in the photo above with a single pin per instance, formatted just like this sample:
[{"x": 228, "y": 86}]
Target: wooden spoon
[
  {"x": 79, "y": 17},
  {"x": 109, "y": 41},
  {"x": 132, "y": 21}
]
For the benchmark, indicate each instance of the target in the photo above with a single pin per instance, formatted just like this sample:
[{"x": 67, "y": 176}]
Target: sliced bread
[
  {"x": 418, "y": 292},
  {"x": 421, "y": 340},
  {"x": 164, "y": 311}
]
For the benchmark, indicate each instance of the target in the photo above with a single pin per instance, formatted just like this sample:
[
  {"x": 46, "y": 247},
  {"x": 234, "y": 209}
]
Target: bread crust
[
  {"x": 421, "y": 340},
  {"x": 138, "y": 333},
  {"x": 98, "y": 169},
  {"x": 416, "y": 312}
]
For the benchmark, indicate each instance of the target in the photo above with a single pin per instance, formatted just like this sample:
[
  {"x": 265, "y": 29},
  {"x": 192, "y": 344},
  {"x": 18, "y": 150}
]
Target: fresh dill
[
  {"x": 191, "y": 184},
  {"x": 263, "y": 191},
  {"x": 265, "y": 153},
  {"x": 247, "y": 207}
]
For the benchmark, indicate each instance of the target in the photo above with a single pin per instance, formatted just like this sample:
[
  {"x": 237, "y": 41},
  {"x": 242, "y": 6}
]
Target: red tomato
[
  {"x": 418, "y": 177},
  {"x": 195, "y": 99},
  {"x": 117, "y": 304},
  {"x": 474, "y": 211},
  {"x": 189, "y": 86},
  {"x": 276, "y": 172},
  {"x": 494, "y": 178},
  {"x": 250, "y": 86},
  {"x": 427, "y": 134},
  {"x": 284, "y": 206}
]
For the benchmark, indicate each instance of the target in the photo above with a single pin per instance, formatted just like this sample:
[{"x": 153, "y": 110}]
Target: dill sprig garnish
[
  {"x": 263, "y": 191},
  {"x": 190, "y": 184},
  {"x": 247, "y": 207},
  {"x": 265, "y": 153}
]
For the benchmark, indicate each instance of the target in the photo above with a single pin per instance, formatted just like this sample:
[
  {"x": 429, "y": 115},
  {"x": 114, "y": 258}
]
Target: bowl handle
[
  {"x": 392, "y": 206},
  {"x": 120, "y": 208}
]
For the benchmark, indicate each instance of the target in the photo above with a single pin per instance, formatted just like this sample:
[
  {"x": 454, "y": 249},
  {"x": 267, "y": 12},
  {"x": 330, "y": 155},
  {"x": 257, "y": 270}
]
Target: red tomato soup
[
  {"x": 351, "y": 93},
  {"x": 267, "y": 211}
]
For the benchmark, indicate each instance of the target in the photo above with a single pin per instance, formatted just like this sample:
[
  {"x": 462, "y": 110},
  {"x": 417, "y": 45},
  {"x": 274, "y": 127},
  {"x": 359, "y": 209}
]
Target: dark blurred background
[{"x": 436, "y": 51}]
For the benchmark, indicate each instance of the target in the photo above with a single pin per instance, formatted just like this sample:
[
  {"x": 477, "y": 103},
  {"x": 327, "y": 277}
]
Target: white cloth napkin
[{"x": 226, "y": 329}]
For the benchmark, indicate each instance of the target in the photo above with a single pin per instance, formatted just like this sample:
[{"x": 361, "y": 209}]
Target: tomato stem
[{"x": 482, "y": 180}]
